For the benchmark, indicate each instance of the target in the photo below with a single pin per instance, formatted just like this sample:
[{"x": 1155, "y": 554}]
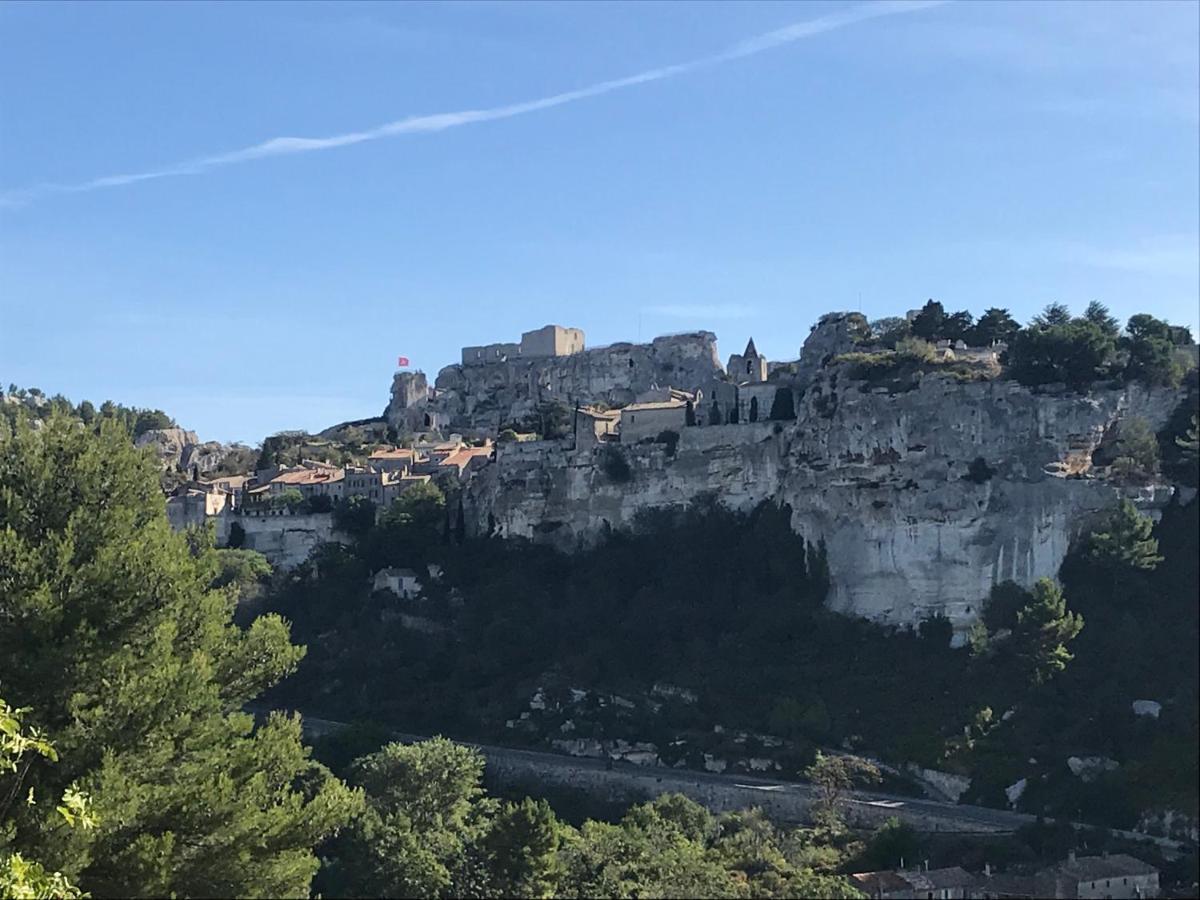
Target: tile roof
[
  {"x": 656, "y": 404},
  {"x": 874, "y": 883},
  {"x": 397, "y": 453},
  {"x": 309, "y": 476}
]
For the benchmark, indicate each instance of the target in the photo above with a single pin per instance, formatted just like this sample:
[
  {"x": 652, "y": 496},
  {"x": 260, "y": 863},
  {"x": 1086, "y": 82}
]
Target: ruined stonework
[
  {"x": 880, "y": 478},
  {"x": 487, "y": 397}
]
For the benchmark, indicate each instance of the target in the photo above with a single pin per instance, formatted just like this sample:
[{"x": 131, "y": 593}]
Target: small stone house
[
  {"x": 648, "y": 420},
  {"x": 1115, "y": 875},
  {"x": 593, "y": 426},
  {"x": 401, "y": 582}
]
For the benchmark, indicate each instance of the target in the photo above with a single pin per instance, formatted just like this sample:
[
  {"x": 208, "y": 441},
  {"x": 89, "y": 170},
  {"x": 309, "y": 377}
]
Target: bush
[
  {"x": 615, "y": 466},
  {"x": 237, "y": 536},
  {"x": 979, "y": 471},
  {"x": 670, "y": 438},
  {"x": 1076, "y": 353}
]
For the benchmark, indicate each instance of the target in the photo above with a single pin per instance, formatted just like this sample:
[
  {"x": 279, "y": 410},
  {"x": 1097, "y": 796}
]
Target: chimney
[
  {"x": 987, "y": 870},
  {"x": 1071, "y": 856}
]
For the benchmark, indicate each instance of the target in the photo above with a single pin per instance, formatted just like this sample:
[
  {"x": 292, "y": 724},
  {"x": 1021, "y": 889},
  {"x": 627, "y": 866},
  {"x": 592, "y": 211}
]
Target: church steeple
[{"x": 750, "y": 350}]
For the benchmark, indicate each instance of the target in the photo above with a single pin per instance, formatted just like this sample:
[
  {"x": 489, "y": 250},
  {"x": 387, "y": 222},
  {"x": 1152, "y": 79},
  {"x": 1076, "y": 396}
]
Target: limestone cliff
[{"x": 879, "y": 477}]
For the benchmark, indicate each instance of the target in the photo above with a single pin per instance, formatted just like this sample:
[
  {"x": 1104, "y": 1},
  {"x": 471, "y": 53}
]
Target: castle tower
[{"x": 747, "y": 367}]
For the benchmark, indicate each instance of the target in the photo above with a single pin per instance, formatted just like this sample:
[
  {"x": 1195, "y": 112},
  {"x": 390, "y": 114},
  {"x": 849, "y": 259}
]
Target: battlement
[{"x": 541, "y": 343}]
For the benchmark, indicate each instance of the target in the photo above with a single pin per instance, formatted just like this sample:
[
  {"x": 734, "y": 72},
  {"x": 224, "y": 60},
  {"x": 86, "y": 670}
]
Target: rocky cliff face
[
  {"x": 879, "y": 477},
  {"x": 182, "y": 450},
  {"x": 489, "y": 396}
]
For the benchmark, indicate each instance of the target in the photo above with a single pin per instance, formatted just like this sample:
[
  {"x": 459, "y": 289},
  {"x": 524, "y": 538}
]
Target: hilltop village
[{"x": 893, "y": 451}]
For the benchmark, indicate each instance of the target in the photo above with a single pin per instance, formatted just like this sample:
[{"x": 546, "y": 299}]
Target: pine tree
[
  {"x": 134, "y": 669},
  {"x": 1044, "y": 628},
  {"x": 1125, "y": 541}
]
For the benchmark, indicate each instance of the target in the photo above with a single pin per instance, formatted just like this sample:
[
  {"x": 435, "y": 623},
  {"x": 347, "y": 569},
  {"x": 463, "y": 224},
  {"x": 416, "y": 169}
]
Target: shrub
[
  {"x": 614, "y": 465},
  {"x": 670, "y": 438},
  {"x": 979, "y": 471}
]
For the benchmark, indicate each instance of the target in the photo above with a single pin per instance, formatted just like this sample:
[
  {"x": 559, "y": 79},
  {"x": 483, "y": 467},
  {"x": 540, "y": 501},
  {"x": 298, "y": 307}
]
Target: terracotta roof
[
  {"x": 308, "y": 476},
  {"x": 398, "y": 453},
  {"x": 464, "y": 456},
  {"x": 600, "y": 413}
]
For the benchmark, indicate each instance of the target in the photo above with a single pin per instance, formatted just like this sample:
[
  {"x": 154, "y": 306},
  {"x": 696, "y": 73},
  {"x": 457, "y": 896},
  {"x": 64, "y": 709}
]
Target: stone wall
[
  {"x": 485, "y": 397},
  {"x": 285, "y": 540}
]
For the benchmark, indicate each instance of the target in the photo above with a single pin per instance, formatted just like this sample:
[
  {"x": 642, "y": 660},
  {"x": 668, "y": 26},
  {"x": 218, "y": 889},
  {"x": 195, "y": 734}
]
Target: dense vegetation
[
  {"x": 689, "y": 597},
  {"x": 429, "y": 830},
  {"x": 19, "y": 402},
  {"x": 1054, "y": 348},
  {"x": 129, "y": 664}
]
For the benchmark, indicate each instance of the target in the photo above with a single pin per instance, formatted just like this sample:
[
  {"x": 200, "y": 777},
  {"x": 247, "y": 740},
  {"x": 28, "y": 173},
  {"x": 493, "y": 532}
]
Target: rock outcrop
[
  {"x": 182, "y": 451},
  {"x": 486, "y": 397},
  {"x": 884, "y": 480}
]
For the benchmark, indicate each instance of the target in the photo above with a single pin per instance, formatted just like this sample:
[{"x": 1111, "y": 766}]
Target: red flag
[{"x": 402, "y": 361}]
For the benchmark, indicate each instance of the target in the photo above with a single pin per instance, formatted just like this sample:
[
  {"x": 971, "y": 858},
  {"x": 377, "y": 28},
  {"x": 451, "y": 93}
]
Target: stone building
[
  {"x": 401, "y": 582},
  {"x": 594, "y": 426},
  {"x": 541, "y": 343},
  {"x": 643, "y": 420},
  {"x": 749, "y": 366},
  {"x": 400, "y": 459}
]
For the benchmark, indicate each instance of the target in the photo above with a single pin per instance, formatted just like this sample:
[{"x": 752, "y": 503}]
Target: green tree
[
  {"x": 521, "y": 850},
  {"x": 957, "y": 326},
  {"x": 833, "y": 776},
  {"x": 894, "y": 845},
  {"x": 994, "y": 325},
  {"x": 1055, "y": 314},
  {"x": 422, "y": 832},
  {"x": 237, "y": 536},
  {"x": 20, "y": 748},
  {"x": 927, "y": 324},
  {"x": 1151, "y": 351},
  {"x": 1044, "y": 628},
  {"x": 1097, "y": 313},
  {"x": 1135, "y": 451},
  {"x": 354, "y": 515},
  {"x": 1125, "y": 540},
  {"x": 1075, "y": 353},
  {"x": 422, "y": 506},
  {"x": 138, "y": 675},
  {"x": 244, "y": 571}
]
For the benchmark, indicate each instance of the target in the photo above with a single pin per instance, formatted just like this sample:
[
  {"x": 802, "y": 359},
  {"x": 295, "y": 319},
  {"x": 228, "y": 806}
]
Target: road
[{"x": 860, "y": 806}]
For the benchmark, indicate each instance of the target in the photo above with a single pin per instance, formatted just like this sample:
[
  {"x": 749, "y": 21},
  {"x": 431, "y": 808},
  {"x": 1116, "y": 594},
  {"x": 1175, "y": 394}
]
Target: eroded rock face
[
  {"x": 884, "y": 480},
  {"x": 182, "y": 450},
  {"x": 485, "y": 397}
]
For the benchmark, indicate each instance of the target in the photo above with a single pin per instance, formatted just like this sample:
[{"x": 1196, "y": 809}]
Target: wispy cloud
[
  {"x": 701, "y": 311},
  {"x": 284, "y": 146}
]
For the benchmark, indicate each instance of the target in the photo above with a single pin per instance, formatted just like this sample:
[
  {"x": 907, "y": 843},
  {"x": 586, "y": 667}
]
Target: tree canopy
[{"x": 132, "y": 666}]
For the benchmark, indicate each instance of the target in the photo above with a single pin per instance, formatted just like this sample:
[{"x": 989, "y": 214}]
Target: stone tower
[{"x": 747, "y": 367}]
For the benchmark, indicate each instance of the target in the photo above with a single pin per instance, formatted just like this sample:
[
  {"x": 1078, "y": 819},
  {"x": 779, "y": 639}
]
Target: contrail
[{"x": 283, "y": 146}]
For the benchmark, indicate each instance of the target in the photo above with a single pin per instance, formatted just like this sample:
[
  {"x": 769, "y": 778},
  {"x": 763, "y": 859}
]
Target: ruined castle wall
[{"x": 489, "y": 396}]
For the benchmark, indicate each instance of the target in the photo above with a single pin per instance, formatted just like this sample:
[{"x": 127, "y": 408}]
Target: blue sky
[{"x": 979, "y": 153}]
